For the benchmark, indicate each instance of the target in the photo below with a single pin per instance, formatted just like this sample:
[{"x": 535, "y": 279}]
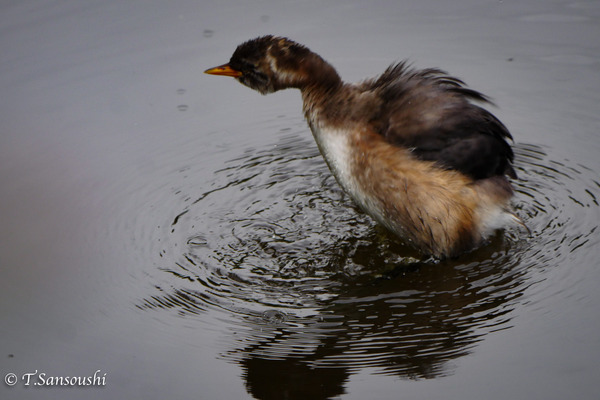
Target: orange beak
[{"x": 224, "y": 70}]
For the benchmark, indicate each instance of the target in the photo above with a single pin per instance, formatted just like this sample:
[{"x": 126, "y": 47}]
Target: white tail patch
[{"x": 500, "y": 218}]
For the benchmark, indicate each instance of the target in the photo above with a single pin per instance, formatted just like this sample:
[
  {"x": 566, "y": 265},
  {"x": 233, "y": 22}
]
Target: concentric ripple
[{"x": 308, "y": 285}]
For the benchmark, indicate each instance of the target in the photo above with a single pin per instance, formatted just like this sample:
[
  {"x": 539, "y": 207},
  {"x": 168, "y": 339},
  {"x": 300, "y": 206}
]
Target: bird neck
[
  {"x": 319, "y": 73},
  {"x": 309, "y": 73},
  {"x": 318, "y": 83}
]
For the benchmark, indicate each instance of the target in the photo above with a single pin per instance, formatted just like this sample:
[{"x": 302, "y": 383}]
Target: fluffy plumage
[
  {"x": 410, "y": 146},
  {"x": 431, "y": 113}
]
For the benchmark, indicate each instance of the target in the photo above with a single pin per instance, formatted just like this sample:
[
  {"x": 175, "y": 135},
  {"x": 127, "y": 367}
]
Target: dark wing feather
[
  {"x": 432, "y": 114},
  {"x": 474, "y": 143}
]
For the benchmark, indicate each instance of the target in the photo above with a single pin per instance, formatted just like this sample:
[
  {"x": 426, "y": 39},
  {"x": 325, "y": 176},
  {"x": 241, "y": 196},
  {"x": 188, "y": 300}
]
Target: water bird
[{"x": 411, "y": 147}]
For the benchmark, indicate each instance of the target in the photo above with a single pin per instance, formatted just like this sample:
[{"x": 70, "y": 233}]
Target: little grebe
[{"x": 409, "y": 146}]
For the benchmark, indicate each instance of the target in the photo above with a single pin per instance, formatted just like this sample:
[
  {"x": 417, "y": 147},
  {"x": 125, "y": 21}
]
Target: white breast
[{"x": 336, "y": 146}]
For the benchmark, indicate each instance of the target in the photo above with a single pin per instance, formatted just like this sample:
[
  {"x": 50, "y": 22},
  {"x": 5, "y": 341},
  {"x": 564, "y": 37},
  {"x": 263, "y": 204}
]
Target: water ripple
[{"x": 305, "y": 282}]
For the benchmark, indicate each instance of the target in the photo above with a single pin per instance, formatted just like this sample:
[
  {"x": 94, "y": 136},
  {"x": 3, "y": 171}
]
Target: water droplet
[
  {"x": 180, "y": 91},
  {"x": 197, "y": 241},
  {"x": 208, "y": 33},
  {"x": 274, "y": 316},
  {"x": 182, "y": 107}
]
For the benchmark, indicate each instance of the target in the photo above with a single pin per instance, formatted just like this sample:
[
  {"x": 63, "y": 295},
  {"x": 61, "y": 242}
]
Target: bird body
[{"x": 409, "y": 147}]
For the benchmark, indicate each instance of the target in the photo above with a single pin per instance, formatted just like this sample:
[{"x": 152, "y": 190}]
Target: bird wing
[{"x": 432, "y": 114}]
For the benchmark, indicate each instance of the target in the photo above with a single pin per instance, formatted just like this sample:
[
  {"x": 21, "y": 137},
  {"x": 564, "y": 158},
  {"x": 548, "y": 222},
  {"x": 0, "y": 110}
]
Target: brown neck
[
  {"x": 319, "y": 82},
  {"x": 309, "y": 72}
]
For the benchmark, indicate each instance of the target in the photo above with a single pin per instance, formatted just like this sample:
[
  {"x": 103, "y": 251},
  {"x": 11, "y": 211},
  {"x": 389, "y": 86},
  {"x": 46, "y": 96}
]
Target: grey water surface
[{"x": 178, "y": 236}]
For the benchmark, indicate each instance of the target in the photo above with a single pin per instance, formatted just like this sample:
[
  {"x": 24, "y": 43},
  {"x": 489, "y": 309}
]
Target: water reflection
[
  {"x": 310, "y": 290},
  {"x": 411, "y": 322}
]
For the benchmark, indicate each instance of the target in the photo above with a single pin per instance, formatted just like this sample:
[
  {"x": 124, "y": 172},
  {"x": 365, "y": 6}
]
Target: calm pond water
[{"x": 180, "y": 236}]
